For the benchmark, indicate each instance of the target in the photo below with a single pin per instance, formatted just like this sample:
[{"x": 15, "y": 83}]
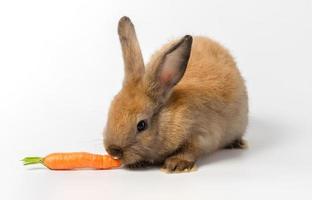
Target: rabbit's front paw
[{"x": 176, "y": 165}]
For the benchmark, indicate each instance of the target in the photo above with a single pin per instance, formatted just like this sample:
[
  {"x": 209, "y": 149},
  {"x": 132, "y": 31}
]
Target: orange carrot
[{"x": 74, "y": 160}]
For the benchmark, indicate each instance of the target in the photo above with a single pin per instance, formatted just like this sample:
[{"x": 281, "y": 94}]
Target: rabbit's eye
[{"x": 142, "y": 125}]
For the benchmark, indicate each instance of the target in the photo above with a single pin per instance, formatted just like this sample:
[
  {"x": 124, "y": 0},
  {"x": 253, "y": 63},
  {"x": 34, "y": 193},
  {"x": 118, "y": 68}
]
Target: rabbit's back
[{"x": 211, "y": 72}]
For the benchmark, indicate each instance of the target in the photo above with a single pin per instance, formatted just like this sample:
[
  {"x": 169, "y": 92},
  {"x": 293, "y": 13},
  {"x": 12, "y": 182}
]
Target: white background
[{"x": 60, "y": 65}]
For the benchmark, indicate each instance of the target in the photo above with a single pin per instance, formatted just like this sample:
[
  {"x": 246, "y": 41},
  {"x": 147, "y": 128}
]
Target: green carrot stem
[{"x": 32, "y": 160}]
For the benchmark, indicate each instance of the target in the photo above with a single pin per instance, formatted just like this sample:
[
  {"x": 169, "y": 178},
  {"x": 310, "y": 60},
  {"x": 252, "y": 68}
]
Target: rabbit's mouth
[
  {"x": 131, "y": 157},
  {"x": 139, "y": 164}
]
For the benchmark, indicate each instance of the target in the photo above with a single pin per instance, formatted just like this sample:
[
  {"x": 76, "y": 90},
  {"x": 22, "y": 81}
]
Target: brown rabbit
[{"x": 189, "y": 100}]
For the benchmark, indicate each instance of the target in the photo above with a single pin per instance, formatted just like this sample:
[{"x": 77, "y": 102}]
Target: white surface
[{"x": 60, "y": 65}]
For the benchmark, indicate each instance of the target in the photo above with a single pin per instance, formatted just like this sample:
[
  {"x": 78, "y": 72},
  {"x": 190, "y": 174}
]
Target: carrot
[{"x": 74, "y": 160}]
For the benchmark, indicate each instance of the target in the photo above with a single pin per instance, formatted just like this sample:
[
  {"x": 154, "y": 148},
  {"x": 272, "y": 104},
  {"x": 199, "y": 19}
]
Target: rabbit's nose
[{"x": 115, "y": 151}]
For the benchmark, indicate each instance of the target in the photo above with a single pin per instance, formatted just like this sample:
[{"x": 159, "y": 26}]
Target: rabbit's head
[{"x": 132, "y": 130}]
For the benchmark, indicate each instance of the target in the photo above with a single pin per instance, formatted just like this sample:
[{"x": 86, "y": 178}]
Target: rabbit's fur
[{"x": 191, "y": 96}]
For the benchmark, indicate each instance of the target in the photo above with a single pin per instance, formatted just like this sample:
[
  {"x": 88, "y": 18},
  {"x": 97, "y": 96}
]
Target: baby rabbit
[{"x": 189, "y": 100}]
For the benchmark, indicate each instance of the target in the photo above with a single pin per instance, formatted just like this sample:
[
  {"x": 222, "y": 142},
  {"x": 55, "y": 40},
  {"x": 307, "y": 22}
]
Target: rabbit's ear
[
  {"x": 171, "y": 67},
  {"x": 132, "y": 56}
]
